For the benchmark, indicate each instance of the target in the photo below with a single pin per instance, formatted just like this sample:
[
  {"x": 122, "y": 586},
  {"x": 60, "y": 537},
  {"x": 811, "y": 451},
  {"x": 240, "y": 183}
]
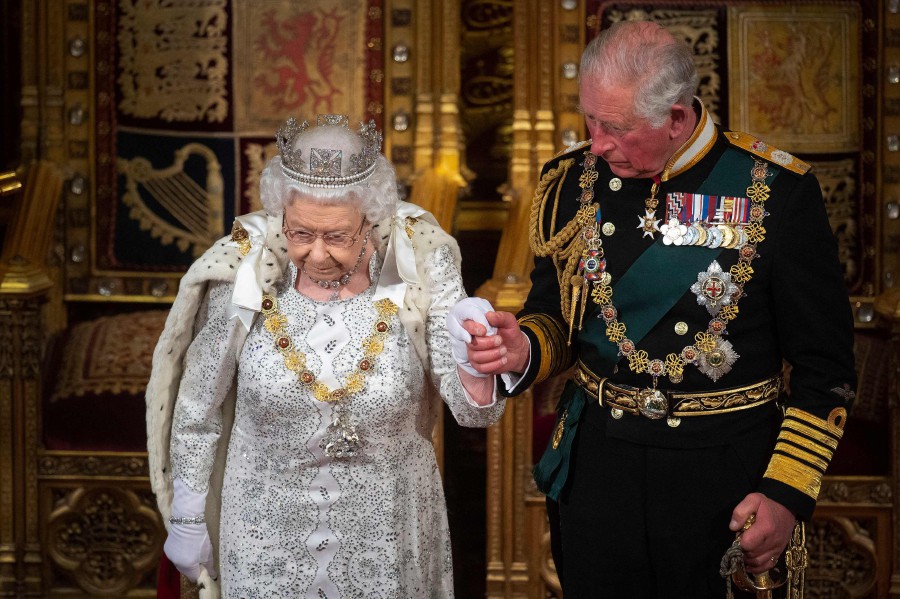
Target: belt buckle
[{"x": 652, "y": 403}]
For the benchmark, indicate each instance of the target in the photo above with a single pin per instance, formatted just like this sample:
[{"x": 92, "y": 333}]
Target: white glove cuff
[{"x": 188, "y": 507}]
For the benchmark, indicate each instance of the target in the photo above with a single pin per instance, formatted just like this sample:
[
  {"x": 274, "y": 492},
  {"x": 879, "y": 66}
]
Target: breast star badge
[{"x": 714, "y": 288}]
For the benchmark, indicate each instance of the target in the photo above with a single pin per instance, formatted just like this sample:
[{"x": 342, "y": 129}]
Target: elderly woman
[{"x": 290, "y": 407}]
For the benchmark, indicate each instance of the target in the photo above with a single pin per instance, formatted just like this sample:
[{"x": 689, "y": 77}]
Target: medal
[
  {"x": 673, "y": 232},
  {"x": 727, "y": 236},
  {"x": 648, "y": 223},
  {"x": 715, "y": 237},
  {"x": 690, "y": 235}
]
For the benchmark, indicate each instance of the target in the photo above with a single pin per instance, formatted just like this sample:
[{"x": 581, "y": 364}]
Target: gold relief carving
[
  {"x": 302, "y": 58},
  {"x": 842, "y": 559},
  {"x": 794, "y": 72},
  {"x": 699, "y": 29},
  {"x": 8, "y": 319},
  {"x": 196, "y": 207},
  {"x": 20, "y": 338},
  {"x": 838, "y": 182},
  {"x": 487, "y": 57},
  {"x": 68, "y": 464},
  {"x": 257, "y": 157},
  {"x": 487, "y": 14},
  {"x": 173, "y": 57},
  {"x": 856, "y": 490},
  {"x": 107, "y": 538}
]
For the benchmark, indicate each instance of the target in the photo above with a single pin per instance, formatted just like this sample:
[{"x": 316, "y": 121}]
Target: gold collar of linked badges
[{"x": 710, "y": 353}]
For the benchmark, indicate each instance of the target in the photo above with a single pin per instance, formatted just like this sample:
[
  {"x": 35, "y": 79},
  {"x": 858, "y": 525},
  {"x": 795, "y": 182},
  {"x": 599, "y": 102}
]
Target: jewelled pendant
[
  {"x": 649, "y": 223},
  {"x": 652, "y": 403},
  {"x": 341, "y": 440}
]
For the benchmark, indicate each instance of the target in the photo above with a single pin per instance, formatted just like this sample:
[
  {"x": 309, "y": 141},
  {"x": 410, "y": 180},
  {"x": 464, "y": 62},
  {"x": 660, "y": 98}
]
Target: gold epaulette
[
  {"x": 804, "y": 449},
  {"x": 767, "y": 152},
  {"x": 556, "y": 355},
  {"x": 576, "y": 146}
]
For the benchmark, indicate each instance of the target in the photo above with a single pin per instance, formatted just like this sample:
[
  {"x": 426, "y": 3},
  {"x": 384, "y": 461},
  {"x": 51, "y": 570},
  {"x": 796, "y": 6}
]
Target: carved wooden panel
[{"x": 104, "y": 539}]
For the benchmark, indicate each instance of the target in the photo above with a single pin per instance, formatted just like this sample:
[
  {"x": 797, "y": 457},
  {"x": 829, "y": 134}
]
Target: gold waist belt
[{"x": 659, "y": 403}]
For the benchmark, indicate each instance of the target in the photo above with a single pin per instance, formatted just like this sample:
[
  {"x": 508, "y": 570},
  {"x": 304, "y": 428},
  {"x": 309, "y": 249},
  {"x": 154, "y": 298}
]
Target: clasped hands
[{"x": 485, "y": 342}]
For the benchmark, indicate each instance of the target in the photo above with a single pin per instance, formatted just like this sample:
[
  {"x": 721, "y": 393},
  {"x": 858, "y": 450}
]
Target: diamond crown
[{"x": 327, "y": 167}]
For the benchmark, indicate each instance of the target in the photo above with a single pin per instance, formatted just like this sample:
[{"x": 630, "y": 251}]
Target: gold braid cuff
[
  {"x": 804, "y": 449},
  {"x": 556, "y": 354}
]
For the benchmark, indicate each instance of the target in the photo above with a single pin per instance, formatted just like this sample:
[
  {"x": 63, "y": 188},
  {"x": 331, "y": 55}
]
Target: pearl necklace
[{"x": 342, "y": 281}]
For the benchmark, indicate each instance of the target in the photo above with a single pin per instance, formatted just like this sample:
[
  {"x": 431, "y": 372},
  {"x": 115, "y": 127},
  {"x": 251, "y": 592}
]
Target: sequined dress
[{"x": 295, "y": 522}]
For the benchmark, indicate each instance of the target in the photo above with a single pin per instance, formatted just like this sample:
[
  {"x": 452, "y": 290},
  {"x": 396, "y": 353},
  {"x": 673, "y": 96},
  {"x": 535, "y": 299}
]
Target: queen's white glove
[
  {"x": 470, "y": 308},
  {"x": 188, "y": 546}
]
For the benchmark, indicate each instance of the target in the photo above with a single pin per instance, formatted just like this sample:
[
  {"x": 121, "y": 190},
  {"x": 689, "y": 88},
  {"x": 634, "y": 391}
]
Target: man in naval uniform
[{"x": 678, "y": 268}]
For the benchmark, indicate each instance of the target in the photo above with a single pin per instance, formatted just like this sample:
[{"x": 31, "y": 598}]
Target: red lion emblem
[{"x": 299, "y": 52}]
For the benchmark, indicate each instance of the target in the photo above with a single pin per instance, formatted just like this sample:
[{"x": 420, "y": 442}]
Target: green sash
[
  {"x": 662, "y": 274},
  {"x": 551, "y": 472}
]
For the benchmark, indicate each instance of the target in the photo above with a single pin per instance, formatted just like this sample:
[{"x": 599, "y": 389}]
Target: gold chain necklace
[
  {"x": 340, "y": 439},
  {"x": 295, "y": 361},
  {"x": 710, "y": 353}
]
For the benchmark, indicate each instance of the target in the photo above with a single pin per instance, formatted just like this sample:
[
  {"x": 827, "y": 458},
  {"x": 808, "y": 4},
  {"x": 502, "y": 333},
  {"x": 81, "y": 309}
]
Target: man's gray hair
[{"x": 661, "y": 70}]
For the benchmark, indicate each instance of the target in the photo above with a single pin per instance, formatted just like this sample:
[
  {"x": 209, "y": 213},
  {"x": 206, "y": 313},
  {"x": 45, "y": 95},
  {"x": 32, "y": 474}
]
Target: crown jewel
[{"x": 327, "y": 167}]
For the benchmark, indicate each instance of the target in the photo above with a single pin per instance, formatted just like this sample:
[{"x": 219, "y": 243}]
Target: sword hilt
[{"x": 763, "y": 583}]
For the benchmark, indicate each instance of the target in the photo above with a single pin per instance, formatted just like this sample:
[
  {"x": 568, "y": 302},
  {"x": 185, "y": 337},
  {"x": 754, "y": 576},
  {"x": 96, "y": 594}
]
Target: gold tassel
[
  {"x": 584, "y": 293},
  {"x": 577, "y": 282}
]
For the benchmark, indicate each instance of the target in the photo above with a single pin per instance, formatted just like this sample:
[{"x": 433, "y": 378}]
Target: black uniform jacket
[{"x": 794, "y": 308}]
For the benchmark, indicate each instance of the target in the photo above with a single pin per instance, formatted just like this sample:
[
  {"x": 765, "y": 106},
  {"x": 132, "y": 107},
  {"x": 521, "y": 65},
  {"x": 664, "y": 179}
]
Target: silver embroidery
[{"x": 370, "y": 526}]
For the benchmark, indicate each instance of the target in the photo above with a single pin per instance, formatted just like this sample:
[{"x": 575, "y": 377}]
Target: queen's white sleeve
[
  {"x": 209, "y": 371},
  {"x": 446, "y": 288}
]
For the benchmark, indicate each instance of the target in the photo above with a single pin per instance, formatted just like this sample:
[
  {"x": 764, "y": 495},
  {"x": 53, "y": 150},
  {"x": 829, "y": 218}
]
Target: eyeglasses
[{"x": 335, "y": 239}]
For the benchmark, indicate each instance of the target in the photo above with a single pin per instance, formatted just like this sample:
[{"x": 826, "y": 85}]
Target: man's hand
[
  {"x": 765, "y": 541},
  {"x": 485, "y": 342},
  {"x": 507, "y": 350}
]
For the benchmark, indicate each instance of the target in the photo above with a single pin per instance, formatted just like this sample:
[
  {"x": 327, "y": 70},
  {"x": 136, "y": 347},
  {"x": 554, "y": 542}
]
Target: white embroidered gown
[{"x": 295, "y": 522}]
